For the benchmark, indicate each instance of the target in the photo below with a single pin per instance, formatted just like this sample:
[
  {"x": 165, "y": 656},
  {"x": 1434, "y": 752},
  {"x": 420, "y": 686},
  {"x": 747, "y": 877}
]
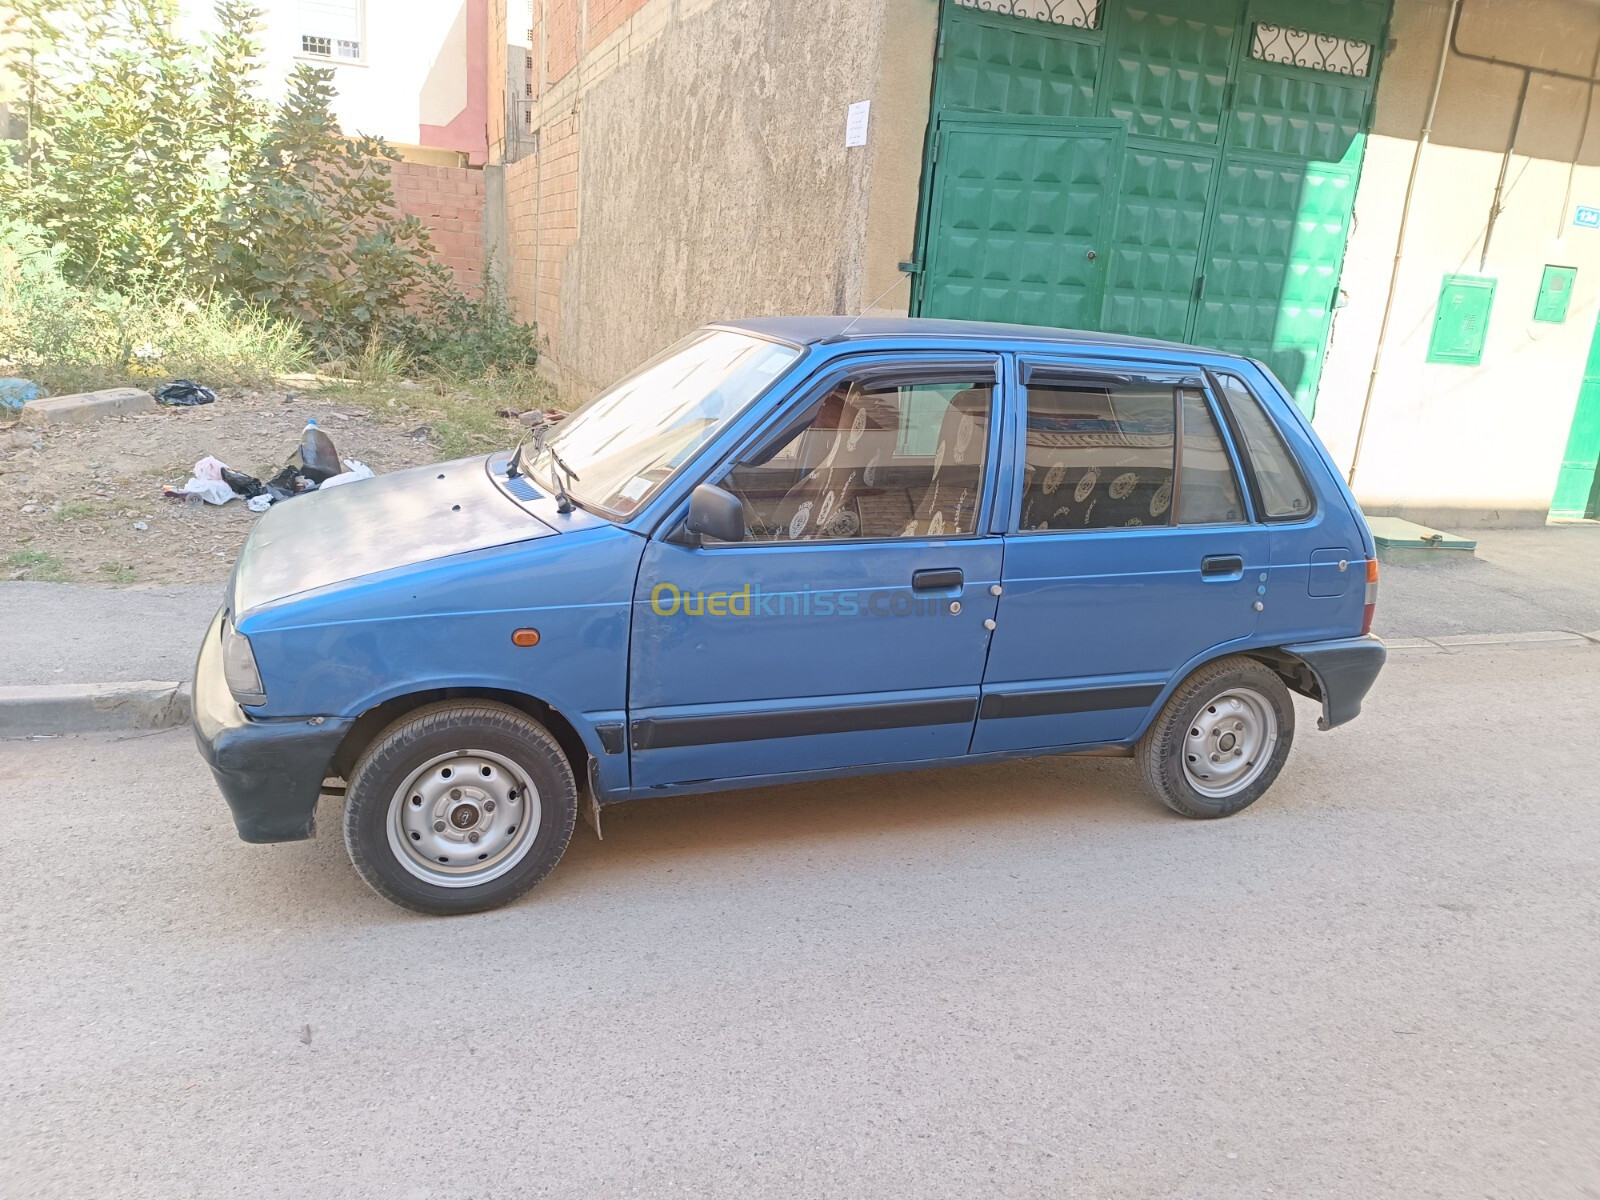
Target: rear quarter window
[{"x": 1282, "y": 491}]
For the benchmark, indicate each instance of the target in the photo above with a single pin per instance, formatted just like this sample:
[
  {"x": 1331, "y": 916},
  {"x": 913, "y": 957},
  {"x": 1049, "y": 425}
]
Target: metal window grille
[
  {"x": 1082, "y": 14},
  {"x": 316, "y": 45},
  {"x": 1315, "y": 51}
]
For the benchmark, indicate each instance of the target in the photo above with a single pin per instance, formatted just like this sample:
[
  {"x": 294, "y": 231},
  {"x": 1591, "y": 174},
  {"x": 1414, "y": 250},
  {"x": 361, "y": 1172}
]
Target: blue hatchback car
[{"x": 786, "y": 549}]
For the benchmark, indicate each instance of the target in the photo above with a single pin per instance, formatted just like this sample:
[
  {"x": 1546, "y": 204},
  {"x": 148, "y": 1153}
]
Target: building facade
[{"x": 1396, "y": 207}]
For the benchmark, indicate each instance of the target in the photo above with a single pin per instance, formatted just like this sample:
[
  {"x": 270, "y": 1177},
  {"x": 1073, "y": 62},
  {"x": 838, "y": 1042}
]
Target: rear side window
[
  {"x": 1099, "y": 455},
  {"x": 1208, "y": 492},
  {"x": 1284, "y": 494}
]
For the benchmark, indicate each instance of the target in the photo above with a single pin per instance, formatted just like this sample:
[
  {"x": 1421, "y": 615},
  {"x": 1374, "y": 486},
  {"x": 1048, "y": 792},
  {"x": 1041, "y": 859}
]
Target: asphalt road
[{"x": 1015, "y": 980}]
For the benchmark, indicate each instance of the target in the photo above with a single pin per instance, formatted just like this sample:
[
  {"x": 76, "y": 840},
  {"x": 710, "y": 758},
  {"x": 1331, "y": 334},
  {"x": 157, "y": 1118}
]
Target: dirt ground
[{"x": 83, "y": 504}]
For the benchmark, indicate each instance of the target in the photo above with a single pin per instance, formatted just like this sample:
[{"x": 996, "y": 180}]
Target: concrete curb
[
  {"x": 1457, "y": 643},
  {"x": 144, "y": 704}
]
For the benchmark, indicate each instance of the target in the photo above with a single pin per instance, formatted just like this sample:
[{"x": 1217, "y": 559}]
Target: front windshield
[{"x": 618, "y": 449}]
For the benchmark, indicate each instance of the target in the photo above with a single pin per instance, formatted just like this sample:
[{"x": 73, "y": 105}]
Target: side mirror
[{"x": 715, "y": 513}]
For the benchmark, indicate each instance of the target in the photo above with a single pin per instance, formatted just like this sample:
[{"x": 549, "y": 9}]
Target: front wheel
[
  {"x": 1220, "y": 740},
  {"x": 459, "y": 807}
]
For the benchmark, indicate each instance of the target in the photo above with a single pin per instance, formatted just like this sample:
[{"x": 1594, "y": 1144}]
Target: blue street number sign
[{"x": 1589, "y": 218}]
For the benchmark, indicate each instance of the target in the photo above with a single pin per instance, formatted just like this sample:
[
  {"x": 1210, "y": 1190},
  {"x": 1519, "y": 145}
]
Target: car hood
[{"x": 375, "y": 525}]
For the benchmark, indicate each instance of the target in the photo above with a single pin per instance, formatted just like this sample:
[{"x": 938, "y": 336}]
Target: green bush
[{"x": 174, "y": 217}]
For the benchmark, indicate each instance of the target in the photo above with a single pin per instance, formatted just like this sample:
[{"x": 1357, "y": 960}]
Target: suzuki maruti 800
[{"x": 787, "y": 549}]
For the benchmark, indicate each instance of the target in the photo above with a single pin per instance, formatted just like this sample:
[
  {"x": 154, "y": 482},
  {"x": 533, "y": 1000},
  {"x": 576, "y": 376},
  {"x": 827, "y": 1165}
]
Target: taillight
[{"x": 1372, "y": 596}]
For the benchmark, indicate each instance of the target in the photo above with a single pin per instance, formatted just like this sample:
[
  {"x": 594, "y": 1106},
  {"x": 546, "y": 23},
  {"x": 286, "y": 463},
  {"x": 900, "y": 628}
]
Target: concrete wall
[
  {"x": 1463, "y": 446},
  {"x": 691, "y": 166}
]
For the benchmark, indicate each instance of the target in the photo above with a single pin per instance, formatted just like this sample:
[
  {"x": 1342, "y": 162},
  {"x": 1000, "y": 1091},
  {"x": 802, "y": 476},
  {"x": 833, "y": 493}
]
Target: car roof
[{"x": 805, "y": 331}]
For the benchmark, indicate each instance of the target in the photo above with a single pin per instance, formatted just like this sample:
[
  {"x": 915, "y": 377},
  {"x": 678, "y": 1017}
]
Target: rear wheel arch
[{"x": 370, "y": 724}]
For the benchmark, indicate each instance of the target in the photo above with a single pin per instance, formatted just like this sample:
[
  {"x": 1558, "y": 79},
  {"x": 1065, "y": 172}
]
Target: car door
[
  {"x": 1132, "y": 554},
  {"x": 848, "y": 628}
]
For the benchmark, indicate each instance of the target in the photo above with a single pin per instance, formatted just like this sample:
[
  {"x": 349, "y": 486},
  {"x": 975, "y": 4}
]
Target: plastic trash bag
[
  {"x": 353, "y": 470},
  {"x": 210, "y": 468},
  {"x": 244, "y": 485},
  {"x": 14, "y": 392},
  {"x": 184, "y": 393},
  {"x": 212, "y": 491},
  {"x": 259, "y": 503}
]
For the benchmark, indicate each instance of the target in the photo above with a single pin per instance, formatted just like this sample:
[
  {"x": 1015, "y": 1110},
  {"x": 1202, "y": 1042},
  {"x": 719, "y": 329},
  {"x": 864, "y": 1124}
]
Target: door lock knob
[{"x": 994, "y": 589}]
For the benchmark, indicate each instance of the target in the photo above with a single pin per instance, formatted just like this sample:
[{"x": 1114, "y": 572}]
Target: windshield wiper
[
  {"x": 558, "y": 468},
  {"x": 564, "y": 502}
]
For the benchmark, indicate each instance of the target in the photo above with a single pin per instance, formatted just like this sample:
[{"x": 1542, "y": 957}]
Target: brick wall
[
  {"x": 449, "y": 201},
  {"x": 559, "y": 36},
  {"x": 607, "y": 16}
]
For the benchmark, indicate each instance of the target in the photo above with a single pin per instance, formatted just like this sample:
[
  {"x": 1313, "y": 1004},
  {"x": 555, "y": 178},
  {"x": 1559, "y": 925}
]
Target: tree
[{"x": 314, "y": 233}]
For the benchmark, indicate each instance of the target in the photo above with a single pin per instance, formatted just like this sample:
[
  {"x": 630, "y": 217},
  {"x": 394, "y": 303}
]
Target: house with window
[{"x": 1393, "y": 204}]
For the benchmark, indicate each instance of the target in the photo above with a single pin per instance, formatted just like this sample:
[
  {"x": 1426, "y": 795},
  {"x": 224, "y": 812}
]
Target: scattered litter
[
  {"x": 184, "y": 393},
  {"x": 210, "y": 468},
  {"x": 212, "y": 491},
  {"x": 305, "y": 1034},
  {"x": 244, "y": 485},
  {"x": 353, "y": 471},
  {"x": 314, "y": 464},
  {"x": 421, "y": 433},
  {"x": 316, "y": 458},
  {"x": 14, "y": 392},
  {"x": 140, "y": 526}
]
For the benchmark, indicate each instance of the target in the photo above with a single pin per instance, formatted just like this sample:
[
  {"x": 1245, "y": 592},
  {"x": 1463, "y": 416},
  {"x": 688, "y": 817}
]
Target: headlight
[{"x": 239, "y": 667}]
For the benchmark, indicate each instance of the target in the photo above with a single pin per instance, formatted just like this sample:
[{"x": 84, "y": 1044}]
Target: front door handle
[
  {"x": 938, "y": 580},
  {"x": 1222, "y": 566}
]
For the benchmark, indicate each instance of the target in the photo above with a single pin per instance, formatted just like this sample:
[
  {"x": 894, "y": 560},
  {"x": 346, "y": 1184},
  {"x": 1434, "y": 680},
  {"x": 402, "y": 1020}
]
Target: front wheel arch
[{"x": 378, "y": 718}]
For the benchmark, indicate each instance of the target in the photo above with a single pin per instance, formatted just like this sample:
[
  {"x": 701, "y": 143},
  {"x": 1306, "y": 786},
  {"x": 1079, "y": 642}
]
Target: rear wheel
[
  {"x": 459, "y": 807},
  {"x": 1220, "y": 740}
]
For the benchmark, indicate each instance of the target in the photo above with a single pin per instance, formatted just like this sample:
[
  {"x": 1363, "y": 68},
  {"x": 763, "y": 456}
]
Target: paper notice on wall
[{"x": 855, "y": 125}]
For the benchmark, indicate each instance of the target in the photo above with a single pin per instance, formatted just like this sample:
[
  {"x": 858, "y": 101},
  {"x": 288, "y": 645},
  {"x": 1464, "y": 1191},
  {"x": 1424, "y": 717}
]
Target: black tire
[
  {"x": 431, "y": 735},
  {"x": 1163, "y": 748}
]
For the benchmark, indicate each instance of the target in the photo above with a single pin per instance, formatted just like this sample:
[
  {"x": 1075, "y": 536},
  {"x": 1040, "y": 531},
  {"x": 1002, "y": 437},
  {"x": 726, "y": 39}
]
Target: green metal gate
[
  {"x": 1578, "y": 485},
  {"x": 1208, "y": 152}
]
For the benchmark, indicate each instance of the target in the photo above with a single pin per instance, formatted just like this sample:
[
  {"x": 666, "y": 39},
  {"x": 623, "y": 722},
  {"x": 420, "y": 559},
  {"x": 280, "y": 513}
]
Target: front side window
[
  {"x": 1099, "y": 455},
  {"x": 1284, "y": 494},
  {"x": 616, "y": 452},
  {"x": 874, "y": 460}
]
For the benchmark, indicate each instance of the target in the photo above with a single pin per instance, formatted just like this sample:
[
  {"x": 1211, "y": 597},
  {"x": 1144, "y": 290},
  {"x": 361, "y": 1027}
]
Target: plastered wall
[
  {"x": 691, "y": 166},
  {"x": 1453, "y": 445}
]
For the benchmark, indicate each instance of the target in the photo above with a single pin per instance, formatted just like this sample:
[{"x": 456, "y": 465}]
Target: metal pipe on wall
[
  {"x": 1423, "y": 138},
  {"x": 1497, "y": 204}
]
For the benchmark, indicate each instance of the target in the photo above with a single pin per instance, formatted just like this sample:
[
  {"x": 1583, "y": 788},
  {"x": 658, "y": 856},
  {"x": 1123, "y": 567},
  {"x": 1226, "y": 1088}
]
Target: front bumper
[
  {"x": 270, "y": 772},
  {"x": 1345, "y": 671}
]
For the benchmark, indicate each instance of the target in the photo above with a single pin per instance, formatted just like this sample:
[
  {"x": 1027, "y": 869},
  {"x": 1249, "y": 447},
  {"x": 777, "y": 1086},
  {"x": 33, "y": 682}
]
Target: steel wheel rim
[
  {"x": 1229, "y": 743},
  {"x": 464, "y": 818}
]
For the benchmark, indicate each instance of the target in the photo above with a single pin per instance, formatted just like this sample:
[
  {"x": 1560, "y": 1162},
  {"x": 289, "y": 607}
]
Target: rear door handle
[
  {"x": 1222, "y": 566},
  {"x": 938, "y": 580}
]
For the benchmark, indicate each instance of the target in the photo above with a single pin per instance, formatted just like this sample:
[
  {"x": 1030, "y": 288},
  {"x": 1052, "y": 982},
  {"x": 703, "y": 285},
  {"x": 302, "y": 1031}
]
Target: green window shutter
[{"x": 1461, "y": 325}]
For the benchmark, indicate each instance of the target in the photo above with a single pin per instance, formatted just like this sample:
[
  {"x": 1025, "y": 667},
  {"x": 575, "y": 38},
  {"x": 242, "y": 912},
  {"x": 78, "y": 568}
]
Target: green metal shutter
[{"x": 1020, "y": 213}]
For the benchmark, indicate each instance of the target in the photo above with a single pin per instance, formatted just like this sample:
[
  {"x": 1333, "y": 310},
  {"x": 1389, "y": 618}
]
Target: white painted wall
[
  {"x": 413, "y": 69},
  {"x": 1450, "y": 444}
]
